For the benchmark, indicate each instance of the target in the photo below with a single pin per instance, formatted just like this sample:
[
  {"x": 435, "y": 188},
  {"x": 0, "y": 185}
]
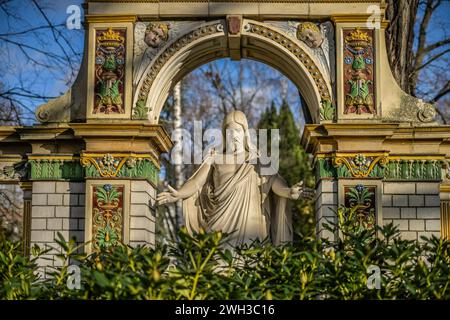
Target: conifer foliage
[{"x": 293, "y": 165}]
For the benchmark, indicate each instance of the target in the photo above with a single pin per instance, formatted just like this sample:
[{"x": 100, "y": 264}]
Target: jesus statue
[{"x": 233, "y": 196}]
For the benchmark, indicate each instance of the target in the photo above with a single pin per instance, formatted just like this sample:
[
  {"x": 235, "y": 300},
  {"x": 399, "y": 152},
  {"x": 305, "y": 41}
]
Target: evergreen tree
[
  {"x": 293, "y": 162},
  {"x": 269, "y": 120}
]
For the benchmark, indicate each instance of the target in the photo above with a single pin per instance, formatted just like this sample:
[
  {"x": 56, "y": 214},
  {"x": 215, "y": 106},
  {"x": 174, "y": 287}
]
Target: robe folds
[{"x": 244, "y": 207}]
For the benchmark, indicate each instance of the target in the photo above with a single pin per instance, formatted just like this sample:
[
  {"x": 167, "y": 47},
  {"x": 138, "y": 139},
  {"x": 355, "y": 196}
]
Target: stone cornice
[
  {"x": 358, "y": 18},
  {"x": 368, "y": 136},
  {"x": 26, "y": 185},
  {"x": 313, "y": 132},
  {"x": 91, "y": 18},
  {"x": 214, "y": 8},
  {"x": 59, "y": 156},
  {"x": 149, "y": 137},
  {"x": 156, "y": 133},
  {"x": 44, "y": 133},
  {"x": 9, "y": 134}
]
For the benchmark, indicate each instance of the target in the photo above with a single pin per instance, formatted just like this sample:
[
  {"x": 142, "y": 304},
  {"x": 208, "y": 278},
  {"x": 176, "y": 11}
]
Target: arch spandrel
[
  {"x": 209, "y": 41},
  {"x": 159, "y": 74}
]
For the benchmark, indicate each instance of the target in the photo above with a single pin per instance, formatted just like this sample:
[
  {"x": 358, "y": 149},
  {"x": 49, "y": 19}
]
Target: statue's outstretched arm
[
  {"x": 280, "y": 188},
  {"x": 194, "y": 183}
]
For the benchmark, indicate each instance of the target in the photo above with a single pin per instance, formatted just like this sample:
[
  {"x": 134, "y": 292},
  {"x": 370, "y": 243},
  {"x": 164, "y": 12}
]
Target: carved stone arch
[
  {"x": 209, "y": 41},
  {"x": 263, "y": 42}
]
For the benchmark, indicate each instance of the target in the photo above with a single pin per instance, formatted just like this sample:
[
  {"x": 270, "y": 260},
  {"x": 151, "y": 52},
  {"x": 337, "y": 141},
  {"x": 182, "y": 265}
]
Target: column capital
[{"x": 122, "y": 136}]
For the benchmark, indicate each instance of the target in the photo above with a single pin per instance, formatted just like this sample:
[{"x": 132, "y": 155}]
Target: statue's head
[
  {"x": 310, "y": 34},
  {"x": 156, "y": 34},
  {"x": 236, "y": 133},
  {"x": 236, "y": 117}
]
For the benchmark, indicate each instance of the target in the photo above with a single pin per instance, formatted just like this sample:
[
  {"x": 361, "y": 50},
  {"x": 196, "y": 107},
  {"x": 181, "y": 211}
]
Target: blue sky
[
  {"x": 16, "y": 66},
  {"x": 439, "y": 28}
]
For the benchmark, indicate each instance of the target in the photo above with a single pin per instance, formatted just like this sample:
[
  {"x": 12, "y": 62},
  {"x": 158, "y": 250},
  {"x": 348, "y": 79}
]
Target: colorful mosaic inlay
[
  {"x": 359, "y": 71},
  {"x": 378, "y": 166},
  {"x": 362, "y": 200},
  {"x": 119, "y": 166},
  {"x": 56, "y": 169},
  {"x": 360, "y": 166},
  {"x": 109, "y": 71},
  {"x": 107, "y": 220}
]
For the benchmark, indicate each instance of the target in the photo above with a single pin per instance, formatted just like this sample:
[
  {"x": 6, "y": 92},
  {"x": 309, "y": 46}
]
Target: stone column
[
  {"x": 121, "y": 184},
  {"x": 445, "y": 202},
  {"x": 403, "y": 183},
  {"x": 26, "y": 223},
  {"x": 108, "y": 171},
  {"x": 12, "y": 170},
  {"x": 326, "y": 206}
]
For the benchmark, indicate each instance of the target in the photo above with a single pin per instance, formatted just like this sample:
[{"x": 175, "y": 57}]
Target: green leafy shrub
[
  {"x": 19, "y": 278},
  {"x": 204, "y": 267}
]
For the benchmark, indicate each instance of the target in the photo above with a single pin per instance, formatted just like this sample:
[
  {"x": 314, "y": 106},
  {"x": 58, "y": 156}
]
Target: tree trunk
[
  {"x": 177, "y": 126},
  {"x": 400, "y": 40}
]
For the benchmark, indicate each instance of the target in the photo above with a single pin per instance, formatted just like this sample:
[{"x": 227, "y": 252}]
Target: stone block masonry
[
  {"x": 142, "y": 213},
  {"x": 57, "y": 206},
  {"x": 414, "y": 207},
  {"x": 326, "y": 205}
]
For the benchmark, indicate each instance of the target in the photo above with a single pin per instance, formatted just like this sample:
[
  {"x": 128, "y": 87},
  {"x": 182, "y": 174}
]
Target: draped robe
[{"x": 243, "y": 206}]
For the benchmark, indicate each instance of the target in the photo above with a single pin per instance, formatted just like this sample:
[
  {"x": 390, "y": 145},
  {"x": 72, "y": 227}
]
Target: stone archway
[{"x": 212, "y": 40}]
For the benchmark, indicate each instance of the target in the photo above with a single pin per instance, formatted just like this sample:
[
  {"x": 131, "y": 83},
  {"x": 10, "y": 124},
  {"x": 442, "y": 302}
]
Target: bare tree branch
[
  {"x": 420, "y": 69},
  {"x": 444, "y": 90},
  {"x": 40, "y": 55},
  {"x": 430, "y": 60}
]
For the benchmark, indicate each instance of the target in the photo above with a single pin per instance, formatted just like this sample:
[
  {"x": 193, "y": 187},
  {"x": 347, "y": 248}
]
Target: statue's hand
[
  {"x": 167, "y": 196},
  {"x": 298, "y": 190}
]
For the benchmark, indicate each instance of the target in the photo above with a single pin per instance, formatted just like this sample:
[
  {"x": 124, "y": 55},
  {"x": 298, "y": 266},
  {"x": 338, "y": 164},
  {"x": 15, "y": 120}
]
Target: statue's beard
[{"x": 235, "y": 146}]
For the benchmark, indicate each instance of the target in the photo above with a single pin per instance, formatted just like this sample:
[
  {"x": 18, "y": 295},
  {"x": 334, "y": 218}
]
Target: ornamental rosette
[
  {"x": 109, "y": 161},
  {"x": 360, "y": 160}
]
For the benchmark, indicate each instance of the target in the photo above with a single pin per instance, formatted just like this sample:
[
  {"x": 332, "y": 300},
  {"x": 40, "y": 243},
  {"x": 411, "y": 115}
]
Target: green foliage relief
[
  {"x": 394, "y": 170},
  {"x": 56, "y": 169}
]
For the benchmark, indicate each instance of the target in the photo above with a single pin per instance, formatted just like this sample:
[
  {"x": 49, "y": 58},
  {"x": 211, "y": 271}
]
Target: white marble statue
[{"x": 233, "y": 196}]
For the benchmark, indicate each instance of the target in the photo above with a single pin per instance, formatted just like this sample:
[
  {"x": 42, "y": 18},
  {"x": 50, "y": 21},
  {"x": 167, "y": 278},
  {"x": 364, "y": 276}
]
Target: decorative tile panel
[
  {"x": 107, "y": 215},
  {"x": 362, "y": 199},
  {"x": 378, "y": 165},
  {"x": 109, "y": 71},
  {"x": 412, "y": 169},
  {"x": 359, "y": 71}
]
